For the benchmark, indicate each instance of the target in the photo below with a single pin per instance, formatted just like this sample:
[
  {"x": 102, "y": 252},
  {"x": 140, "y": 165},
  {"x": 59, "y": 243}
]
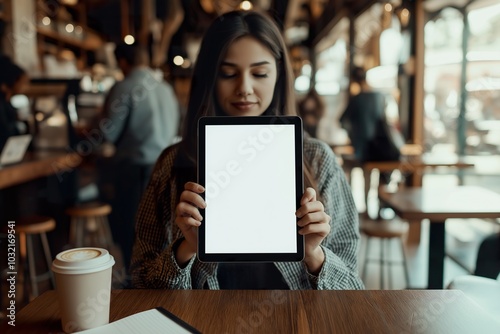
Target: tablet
[
  {"x": 14, "y": 149},
  {"x": 251, "y": 168}
]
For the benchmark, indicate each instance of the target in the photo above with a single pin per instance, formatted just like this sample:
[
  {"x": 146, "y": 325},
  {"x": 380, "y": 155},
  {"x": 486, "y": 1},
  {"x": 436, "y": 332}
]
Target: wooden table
[
  {"x": 437, "y": 205},
  {"x": 413, "y": 165},
  {"x": 277, "y": 311},
  {"x": 36, "y": 165}
]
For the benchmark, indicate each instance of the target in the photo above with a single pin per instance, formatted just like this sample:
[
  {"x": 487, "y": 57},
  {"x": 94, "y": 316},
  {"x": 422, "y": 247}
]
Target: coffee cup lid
[{"x": 84, "y": 260}]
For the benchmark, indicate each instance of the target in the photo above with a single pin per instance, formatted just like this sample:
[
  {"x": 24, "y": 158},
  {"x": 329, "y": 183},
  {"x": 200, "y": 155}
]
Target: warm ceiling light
[
  {"x": 246, "y": 5},
  {"x": 70, "y": 27},
  {"x": 178, "y": 60},
  {"x": 388, "y": 7},
  {"x": 129, "y": 39},
  {"x": 46, "y": 21},
  {"x": 404, "y": 17}
]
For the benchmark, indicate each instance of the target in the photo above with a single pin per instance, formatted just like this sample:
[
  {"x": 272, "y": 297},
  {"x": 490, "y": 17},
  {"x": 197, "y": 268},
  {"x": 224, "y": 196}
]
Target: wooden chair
[
  {"x": 26, "y": 228},
  {"x": 385, "y": 231},
  {"x": 89, "y": 225}
]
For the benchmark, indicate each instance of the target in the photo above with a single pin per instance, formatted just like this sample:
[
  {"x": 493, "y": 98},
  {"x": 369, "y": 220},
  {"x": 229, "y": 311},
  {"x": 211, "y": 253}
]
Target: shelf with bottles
[
  {"x": 58, "y": 24},
  {"x": 71, "y": 35}
]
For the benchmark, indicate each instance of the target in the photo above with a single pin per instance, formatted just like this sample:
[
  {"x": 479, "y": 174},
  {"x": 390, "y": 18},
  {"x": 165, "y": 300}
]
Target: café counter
[{"x": 36, "y": 165}]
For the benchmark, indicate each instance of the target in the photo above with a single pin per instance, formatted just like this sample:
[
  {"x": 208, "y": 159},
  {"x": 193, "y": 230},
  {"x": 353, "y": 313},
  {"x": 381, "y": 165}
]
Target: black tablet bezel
[{"x": 299, "y": 187}]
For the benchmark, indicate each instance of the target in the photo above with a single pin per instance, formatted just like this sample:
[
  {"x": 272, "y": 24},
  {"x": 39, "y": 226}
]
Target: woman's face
[{"x": 246, "y": 78}]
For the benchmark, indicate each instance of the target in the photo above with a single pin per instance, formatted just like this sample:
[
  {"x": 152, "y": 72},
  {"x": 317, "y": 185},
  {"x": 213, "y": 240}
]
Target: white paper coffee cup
[{"x": 83, "y": 284}]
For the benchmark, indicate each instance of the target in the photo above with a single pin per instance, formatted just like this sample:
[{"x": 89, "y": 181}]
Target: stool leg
[
  {"x": 381, "y": 264},
  {"x": 363, "y": 272},
  {"x": 99, "y": 233},
  {"x": 73, "y": 232},
  {"x": 48, "y": 257},
  {"x": 367, "y": 178},
  {"x": 92, "y": 231},
  {"x": 388, "y": 261},
  {"x": 103, "y": 241},
  {"x": 107, "y": 232},
  {"x": 22, "y": 264},
  {"x": 22, "y": 246},
  {"x": 405, "y": 264},
  {"x": 80, "y": 231},
  {"x": 31, "y": 263}
]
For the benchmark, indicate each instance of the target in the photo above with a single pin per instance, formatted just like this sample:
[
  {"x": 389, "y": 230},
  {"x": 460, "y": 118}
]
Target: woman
[{"x": 243, "y": 70}]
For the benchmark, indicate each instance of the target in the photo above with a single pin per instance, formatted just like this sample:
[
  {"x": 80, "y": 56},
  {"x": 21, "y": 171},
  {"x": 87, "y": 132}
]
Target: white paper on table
[{"x": 152, "y": 321}]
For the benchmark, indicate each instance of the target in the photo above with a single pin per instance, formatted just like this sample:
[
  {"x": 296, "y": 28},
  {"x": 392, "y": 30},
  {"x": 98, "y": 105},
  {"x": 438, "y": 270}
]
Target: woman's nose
[{"x": 245, "y": 86}]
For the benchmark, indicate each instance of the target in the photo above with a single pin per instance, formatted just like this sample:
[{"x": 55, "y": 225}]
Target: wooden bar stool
[
  {"x": 385, "y": 231},
  {"x": 26, "y": 228},
  {"x": 89, "y": 225}
]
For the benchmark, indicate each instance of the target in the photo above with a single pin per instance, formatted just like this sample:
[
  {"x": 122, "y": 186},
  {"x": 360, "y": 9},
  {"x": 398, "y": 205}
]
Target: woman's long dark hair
[{"x": 225, "y": 30}]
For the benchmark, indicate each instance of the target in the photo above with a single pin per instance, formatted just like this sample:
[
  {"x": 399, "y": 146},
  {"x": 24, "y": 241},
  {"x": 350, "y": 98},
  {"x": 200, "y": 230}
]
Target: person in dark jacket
[{"x": 12, "y": 81}]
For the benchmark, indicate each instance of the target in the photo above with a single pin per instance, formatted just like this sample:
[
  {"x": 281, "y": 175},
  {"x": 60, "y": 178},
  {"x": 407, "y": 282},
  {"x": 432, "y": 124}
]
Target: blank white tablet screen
[{"x": 250, "y": 189}]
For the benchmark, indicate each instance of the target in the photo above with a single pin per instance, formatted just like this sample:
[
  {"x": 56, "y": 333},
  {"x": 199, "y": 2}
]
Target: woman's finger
[
  {"x": 314, "y": 218},
  {"x": 187, "y": 222},
  {"x": 194, "y": 187},
  {"x": 309, "y": 196},
  {"x": 193, "y": 198},
  {"x": 319, "y": 229},
  {"x": 309, "y": 207},
  {"x": 187, "y": 210}
]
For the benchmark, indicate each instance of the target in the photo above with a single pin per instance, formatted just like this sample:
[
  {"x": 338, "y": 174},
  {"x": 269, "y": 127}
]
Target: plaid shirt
[{"x": 153, "y": 260}]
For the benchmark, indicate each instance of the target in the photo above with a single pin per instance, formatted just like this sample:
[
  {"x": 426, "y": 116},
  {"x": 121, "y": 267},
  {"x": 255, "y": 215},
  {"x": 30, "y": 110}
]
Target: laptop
[{"x": 14, "y": 149}]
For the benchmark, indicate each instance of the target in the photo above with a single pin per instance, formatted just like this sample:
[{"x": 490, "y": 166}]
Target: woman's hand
[
  {"x": 188, "y": 218},
  {"x": 315, "y": 227}
]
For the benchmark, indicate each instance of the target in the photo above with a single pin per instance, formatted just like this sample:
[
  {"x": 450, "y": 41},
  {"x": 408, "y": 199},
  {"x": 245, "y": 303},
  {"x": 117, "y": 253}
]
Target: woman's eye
[
  {"x": 260, "y": 75},
  {"x": 227, "y": 75}
]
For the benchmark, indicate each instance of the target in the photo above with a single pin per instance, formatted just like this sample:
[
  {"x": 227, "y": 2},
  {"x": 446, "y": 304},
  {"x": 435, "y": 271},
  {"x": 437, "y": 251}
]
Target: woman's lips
[{"x": 243, "y": 105}]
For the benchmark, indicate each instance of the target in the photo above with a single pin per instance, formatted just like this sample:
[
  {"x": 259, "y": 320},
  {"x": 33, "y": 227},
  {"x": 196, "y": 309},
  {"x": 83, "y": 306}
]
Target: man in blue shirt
[{"x": 141, "y": 118}]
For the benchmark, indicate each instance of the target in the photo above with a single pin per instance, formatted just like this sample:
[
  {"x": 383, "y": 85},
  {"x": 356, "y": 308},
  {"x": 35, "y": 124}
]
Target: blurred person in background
[
  {"x": 365, "y": 122},
  {"x": 13, "y": 80},
  {"x": 141, "y": 118},
  {"x": 311, "y": 109},
  {"x": 372, "y": 136}
]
